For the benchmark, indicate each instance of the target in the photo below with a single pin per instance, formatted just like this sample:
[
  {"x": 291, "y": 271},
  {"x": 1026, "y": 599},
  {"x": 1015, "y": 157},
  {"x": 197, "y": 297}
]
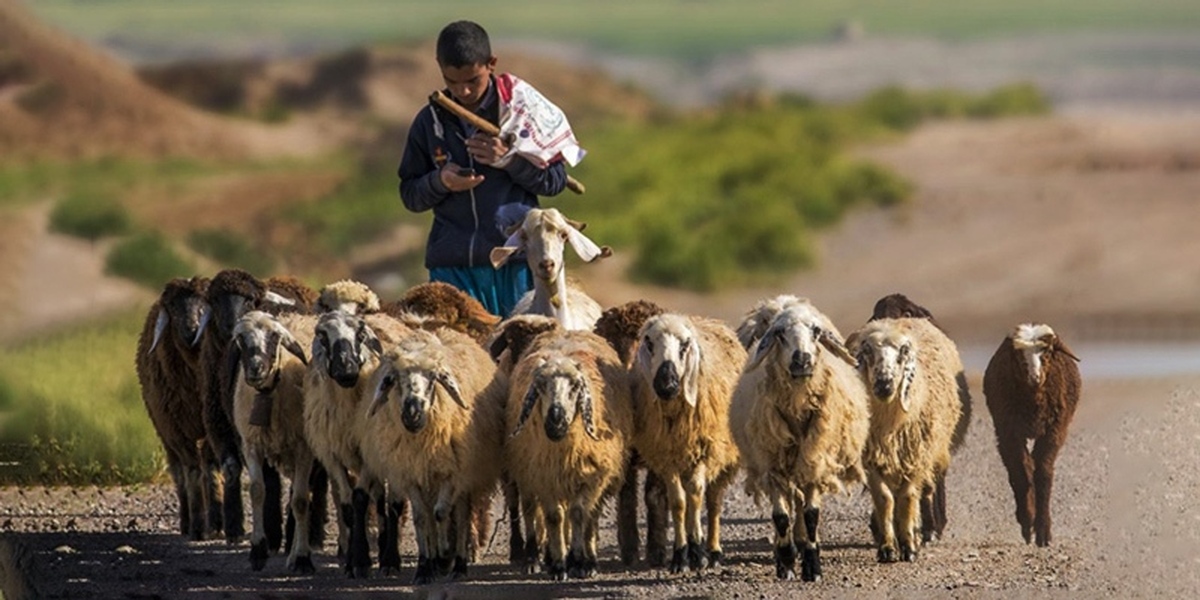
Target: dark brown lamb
[
  {"x": 1032, "y": 385},
  {"x": 168, "y": 370},
  {"x": 447, "y": 304}
]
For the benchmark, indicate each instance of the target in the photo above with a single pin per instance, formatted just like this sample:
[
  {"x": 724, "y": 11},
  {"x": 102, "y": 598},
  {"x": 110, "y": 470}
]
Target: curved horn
[
  {"x": 290, "y": 343},
  {"x": 577, "y": 225},
  {"x": 765, "y": 344},
  {"x": 159, "y": 325},
  {"x": 276, "y": 298},
  {"x": 233, "y": 360},
  {"x": 1059, "y": 346},
  {"x": 205, "y": 317},
  {"x": 381, "y": 392},
  {"x": 531, "y": 397},
  {"x": 830, "y": 341},
  {"x": 451, "y": 387},
  {"x": 583, "y": 396}
]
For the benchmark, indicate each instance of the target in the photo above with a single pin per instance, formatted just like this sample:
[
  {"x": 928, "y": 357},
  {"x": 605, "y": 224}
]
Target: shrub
[
  {"x": 90, "y": 217},
  {"x": 230, "y": 250},
  {"x": 1011, "y": 100},
  {"x": 148, "y": 259}
]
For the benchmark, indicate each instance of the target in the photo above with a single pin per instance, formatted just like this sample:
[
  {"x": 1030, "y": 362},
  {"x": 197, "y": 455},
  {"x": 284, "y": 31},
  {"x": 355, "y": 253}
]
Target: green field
[{"x": 695, "y": 29}]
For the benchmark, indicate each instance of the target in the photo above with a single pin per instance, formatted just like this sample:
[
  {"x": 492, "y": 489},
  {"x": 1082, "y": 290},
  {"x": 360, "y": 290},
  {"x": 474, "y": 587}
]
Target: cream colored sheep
[
  {"x": 268, "y": 411},
  {"x": 909, "y": 366},
  {"x": 571, "y": 420},
  {"x": 800, "y": 418},
  {"x": 345, "y": 353},
  {"x": 349, "y": 296},
  {"x": 541, "y": 235},
  {"x": 683, "y": 378},
  {"x": 440, "y": 442}
]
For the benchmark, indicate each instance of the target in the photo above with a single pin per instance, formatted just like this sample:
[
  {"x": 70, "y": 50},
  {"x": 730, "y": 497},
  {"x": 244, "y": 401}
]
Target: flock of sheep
[{"x": 430, "y": 402}]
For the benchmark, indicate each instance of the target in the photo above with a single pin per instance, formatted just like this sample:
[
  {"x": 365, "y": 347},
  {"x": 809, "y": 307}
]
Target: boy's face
[{"x": 468, "y": 83}]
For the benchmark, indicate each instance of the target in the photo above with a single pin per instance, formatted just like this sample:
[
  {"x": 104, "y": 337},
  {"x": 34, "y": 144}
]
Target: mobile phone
[{"x": 464, "y": 172}]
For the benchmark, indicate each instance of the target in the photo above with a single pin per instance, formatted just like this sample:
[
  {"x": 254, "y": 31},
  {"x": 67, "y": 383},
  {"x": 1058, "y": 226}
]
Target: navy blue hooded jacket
[{"x": 464, "y": 223}]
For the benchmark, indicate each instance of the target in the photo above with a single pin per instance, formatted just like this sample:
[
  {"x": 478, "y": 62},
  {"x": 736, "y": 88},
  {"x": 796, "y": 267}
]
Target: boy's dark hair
[{"x": 463, "y": 44}]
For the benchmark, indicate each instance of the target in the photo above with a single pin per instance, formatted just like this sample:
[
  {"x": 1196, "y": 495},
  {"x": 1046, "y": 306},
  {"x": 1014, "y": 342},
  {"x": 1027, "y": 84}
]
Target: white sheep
[
  {"x": 268, "y": 411},
  {"x": 800, "y": 418},
  {"x": 440, "y": 445},
  {"x": 345, "y": 353},
  {"x": 541, "y": 234},
  {"x": 910, "y": 368},
  {"x": 683, "y": 377},
  {"x": 571, "y": 419},
  {"x": 1032, "y": 386}
]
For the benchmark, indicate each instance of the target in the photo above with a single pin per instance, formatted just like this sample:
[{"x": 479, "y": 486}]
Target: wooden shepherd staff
[{"x": 485, "y": 126}]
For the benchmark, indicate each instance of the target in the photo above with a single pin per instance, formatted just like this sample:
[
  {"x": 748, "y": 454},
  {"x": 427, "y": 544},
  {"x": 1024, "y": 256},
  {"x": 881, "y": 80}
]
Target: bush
[
  {"x": 230, "y": 250},
  {"x": 90, "y": 217},
  {"x": 148, "y": 259},
  {"x": 1011, "y": 100}
]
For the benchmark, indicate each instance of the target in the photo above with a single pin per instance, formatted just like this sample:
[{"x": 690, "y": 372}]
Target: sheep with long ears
[{"x": 542, "y": 234}]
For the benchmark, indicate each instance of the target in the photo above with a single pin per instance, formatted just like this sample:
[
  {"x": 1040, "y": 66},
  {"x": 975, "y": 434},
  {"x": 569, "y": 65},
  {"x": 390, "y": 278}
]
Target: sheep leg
[
  {"x": 272, "y": 510},
  {"x": 300, "y": 557},
  {"x": 785, "y": 549},
  {"x": 655, "y": 496},
  {"x": 259, "y": 545},
  {"x": 512, "y": 507},
  {"x": 933, "y": 510},
  {"x": 198, "y": 483},
  {"x": 358, "y": 560},
  {"x": 481, "y": 523},
  {"x": 581, "y": 564},
  {"x": 1019, "y": 464},
  {"x": 179, "y": 478},
  {"x": 677, "y": 502},
  {"x": 209, "y": 493},
  {"x": 885, "y": 532},
  {"x": 695, "y": 488},
  {"x": 1045, "y": 453},
  {"x": 389, "y": 512},
  {"x": 810, "y": 543},
  {"x": 423, "y": 523},
  {"x": 444, "y": 515},
  {"x": 318, "y": 512},
  {"x": 627, "y": 526},
  {"x": 556, "y": 543},
  {"x": 535, "y": 537},
  {"x": 714, "y": 498},
  {"x": 340, "y": 483},
  {"x": 462, "y": 537},
  {"x": 907, "y": 507}
]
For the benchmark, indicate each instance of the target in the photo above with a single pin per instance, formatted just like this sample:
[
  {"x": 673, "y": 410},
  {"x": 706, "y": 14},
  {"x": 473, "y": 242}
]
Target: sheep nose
[
  {"x": 256, "y": 369},
  {"x": 556, "y": 423},
  {"x": 547, "y": 267},
  {"x": 801, "y": 365},
  {"x": 666, "y": 381},
  {"x": 883, "y": 388},
  {"x": 412, "y": 416}
]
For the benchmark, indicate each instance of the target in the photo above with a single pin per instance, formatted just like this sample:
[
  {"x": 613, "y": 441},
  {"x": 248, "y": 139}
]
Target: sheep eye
[
  {"x": 904, "y": 351},
  {"x": 816, "y": 331},
  {"x": 684, "y": 345},
  {"x": 649, "y": 345}
]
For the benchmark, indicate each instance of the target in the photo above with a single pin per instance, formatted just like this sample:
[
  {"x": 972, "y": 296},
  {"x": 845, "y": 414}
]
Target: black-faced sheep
[
  {"x": 541, "y": 234},
  {"x": 169, "y": 373},
  {"x": 1032, "y": 386},
  {"x": 933, "y": 513},
  {"x": 345, "y": 353},
  {"x": 683, "y": 377},
  {"x": 571, "y": 421},
  {"x": 910, "y": 369},
  {"x": 268, "y": 362},
  {"x": 800, "y": 417},
  {"x": 620, "y": 326},
  {"x": 439, "y": 443}
]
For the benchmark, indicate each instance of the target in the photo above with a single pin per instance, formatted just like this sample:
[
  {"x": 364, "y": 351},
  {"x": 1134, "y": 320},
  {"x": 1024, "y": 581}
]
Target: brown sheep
[
  {"x": 168, "y": 370},
  {"x": 447, "y": 304},
  {"x": 619, "y": 326},
  {"x": 933, "y": 513},
  {"x": 1032, "y": 386}
]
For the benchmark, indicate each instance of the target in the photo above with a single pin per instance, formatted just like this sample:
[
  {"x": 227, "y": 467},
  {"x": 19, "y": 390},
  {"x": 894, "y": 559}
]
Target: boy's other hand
[
  {"x": 459, "y": 179},
  {"x": 487, "y": 149}
]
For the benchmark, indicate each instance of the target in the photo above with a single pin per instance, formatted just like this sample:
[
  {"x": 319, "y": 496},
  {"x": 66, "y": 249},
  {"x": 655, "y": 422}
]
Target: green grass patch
[
  {"x": 365, "y": 207},
  {"x": 71, "y": 410},
  {"x": 230, "y": 250},
  {"x": 147, "y": 258},
  {"x": 90, "y": 217}
]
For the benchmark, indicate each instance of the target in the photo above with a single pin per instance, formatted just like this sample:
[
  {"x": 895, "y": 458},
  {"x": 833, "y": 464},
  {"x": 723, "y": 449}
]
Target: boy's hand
[
  {"x": 488, "y": 149},
  {"x": 459, "y": 179}
]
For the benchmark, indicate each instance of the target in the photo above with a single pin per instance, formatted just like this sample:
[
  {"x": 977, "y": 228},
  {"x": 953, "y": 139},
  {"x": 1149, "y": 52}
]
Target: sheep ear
[
  {"x": 691, "y": 374},
  {"x": 498, "y": 346},
  {"x": 500, "y": 254},
  {"x": 830, "y": 341},
  {"x": 583, "y": 398},
  {"x": 276, "y": 298},
  {"x": 381, "y": 392},
  {"x": 369, "y": 339},
  {"x": 160, "y": 324},
  {"x": 205, "y": 317},
  {"x": 233, "y": 360},
  {"x": 447, "y": 382},
  {"x": 531, "y": 397},
  {"x": 293, "y": 346},
  {"x": 762, "y": 350},
  {"x": 318, "y": 352},
  {"x": 1059, "y": 346},
  {"x": 586, "y": 248}
]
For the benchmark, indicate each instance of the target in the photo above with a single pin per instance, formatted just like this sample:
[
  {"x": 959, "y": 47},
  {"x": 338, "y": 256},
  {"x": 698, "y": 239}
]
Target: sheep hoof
[
  {"x": 714, "y": 558},
  {"x": 656, "y": 555},
  {"x": 697, "y": 557},
  {"x": 579, "y": 567},
  {"x": 389, "y": 571},
  {"x": 425, "y": 574},
  {"x": 677, "y": 561},
  {"x": 810, "y": 564},
  {"x": 533, "y": 567},
  {"x": 302, "y": 565},
  {"x": 258, "y": 554},
  {"x": 908, "y": 554},
  {"x": 443, "y": 564},
  {"x": 886, "y": 554},
  {"x": 557, "y": 571},
  {"x": 516, "y": 551},
  {"x": 459, "y": 571},
  {"x": 785, "y": 562}
]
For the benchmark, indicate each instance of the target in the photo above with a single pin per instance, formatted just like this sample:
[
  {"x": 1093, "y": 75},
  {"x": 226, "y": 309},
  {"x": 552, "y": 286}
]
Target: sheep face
[
  {"x": 797, "y": 334},
  {"x": 342, "y": 345},
  {"x": 411, "y": 374},
  {"x": 182, "y": 305},
  {"x": 543, "y": 235},
  {"x": 559, "y": 386},
  {"x": 258, "y": 339},
  {"x": 669, "y": 358},
  {"x": 1032, "y": 342},
  {"x": 888, "y": 362}
]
